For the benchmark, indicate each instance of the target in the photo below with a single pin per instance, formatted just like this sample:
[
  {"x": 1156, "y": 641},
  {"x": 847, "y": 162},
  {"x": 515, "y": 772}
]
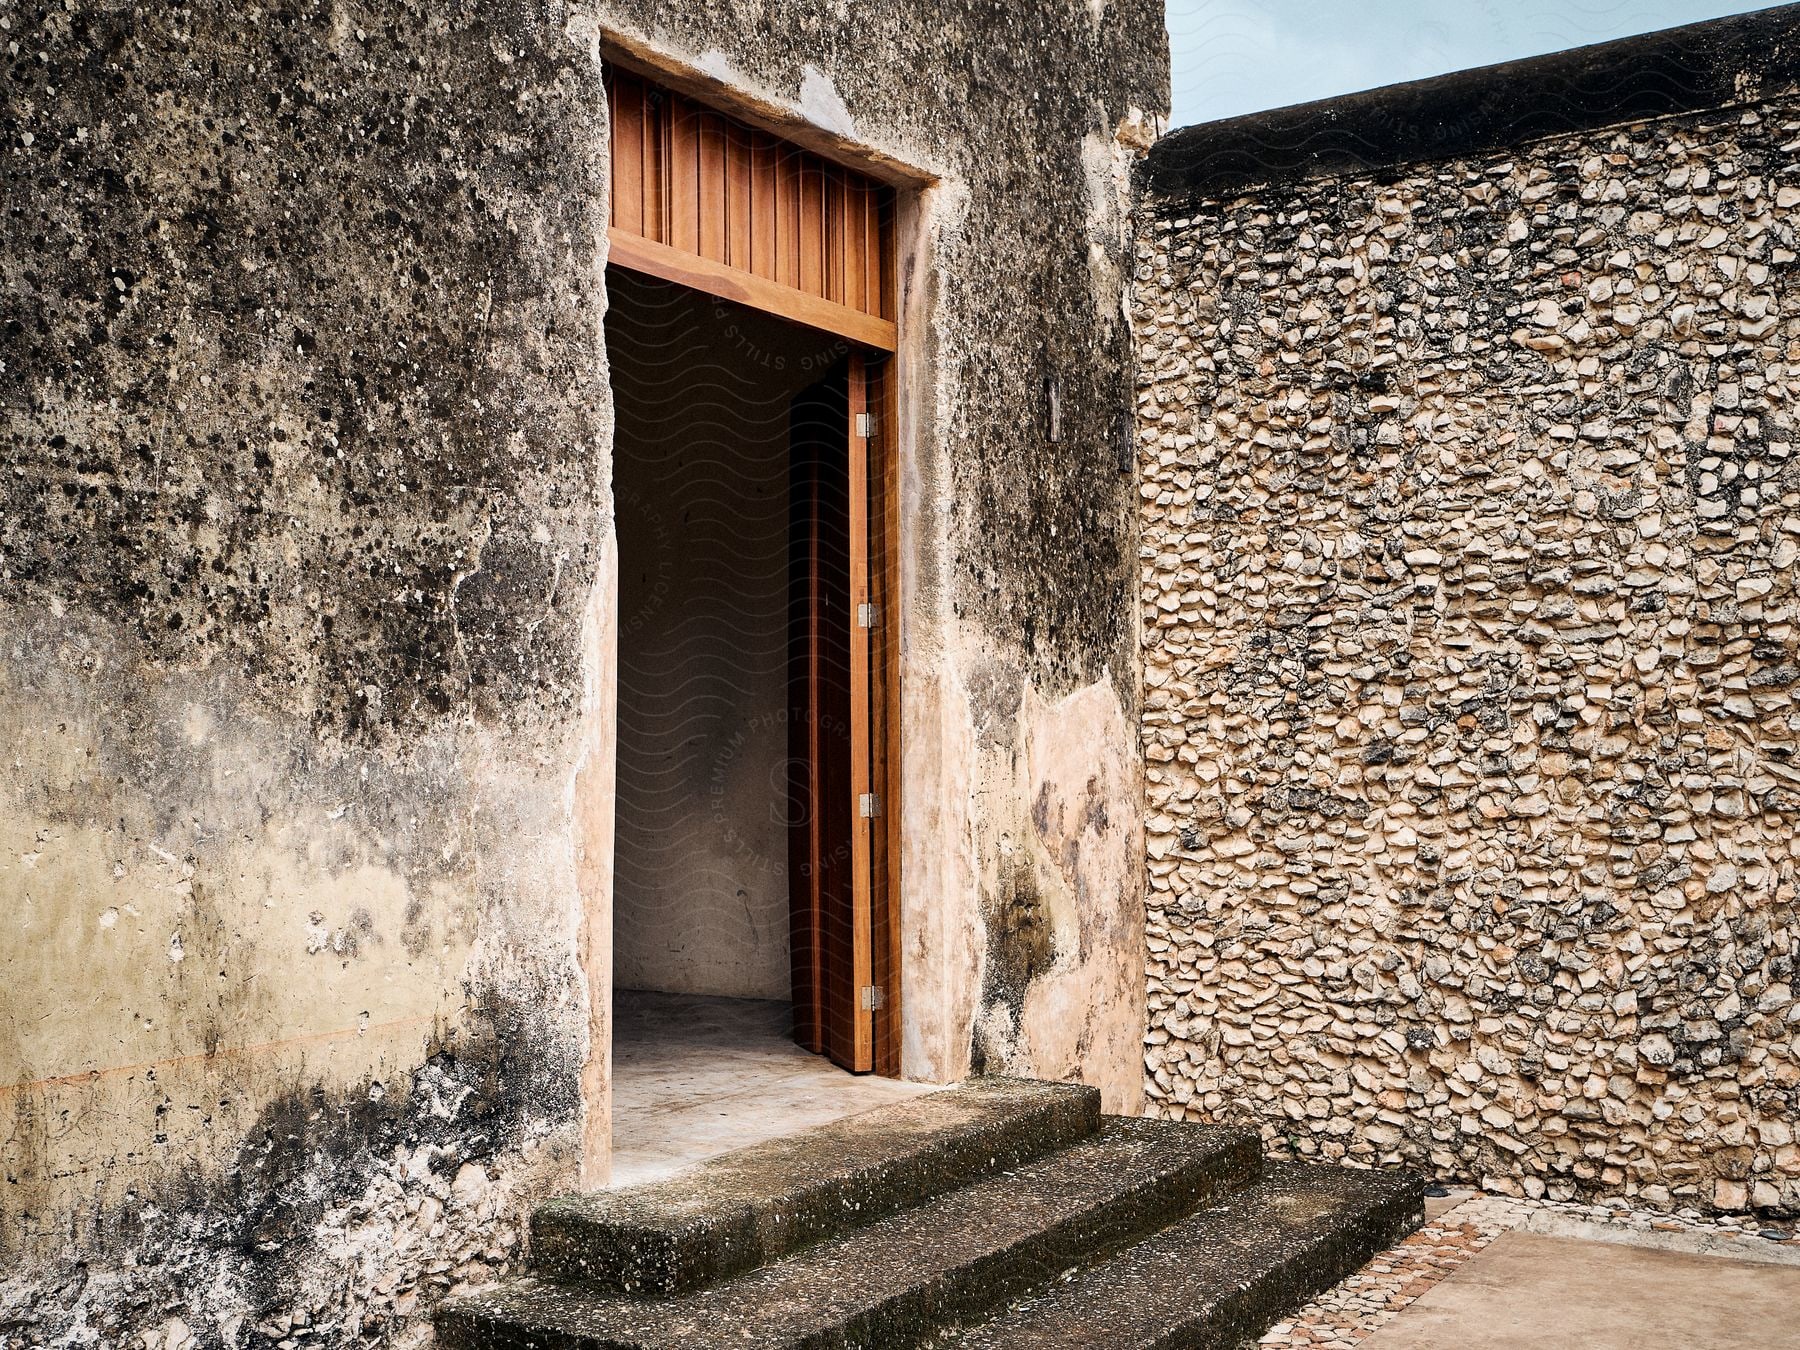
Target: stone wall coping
[{"x": 1715, "y": 64}]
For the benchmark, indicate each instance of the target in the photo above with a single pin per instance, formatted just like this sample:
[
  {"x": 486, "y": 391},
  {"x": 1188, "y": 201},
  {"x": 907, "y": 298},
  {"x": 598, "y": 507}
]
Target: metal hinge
[
  {"x": 865, "y": 426},
  {"x": 867, "y": 615},
  {"x": 868, "y": 805},
  {"x": 873, "y": 997}
]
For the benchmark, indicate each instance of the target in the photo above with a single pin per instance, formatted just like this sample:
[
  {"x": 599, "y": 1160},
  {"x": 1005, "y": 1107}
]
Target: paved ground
[
  {"x": 695, "y": 1077},
  {"x": 1528, "y": 1292},
  {"x": 1491, "y": 1273}
]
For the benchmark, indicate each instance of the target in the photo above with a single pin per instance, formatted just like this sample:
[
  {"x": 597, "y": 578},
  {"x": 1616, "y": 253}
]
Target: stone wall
[{"x": 1470, "y": 510}]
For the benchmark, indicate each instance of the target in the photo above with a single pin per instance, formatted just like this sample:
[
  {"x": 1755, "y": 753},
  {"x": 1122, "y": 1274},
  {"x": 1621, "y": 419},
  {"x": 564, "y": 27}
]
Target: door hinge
[
  {"x": 867, "y": 615},
  {"x": 868, "y": 805},
  {"x": 873, "y": 997},
  {"x": 865, "y": 426}
]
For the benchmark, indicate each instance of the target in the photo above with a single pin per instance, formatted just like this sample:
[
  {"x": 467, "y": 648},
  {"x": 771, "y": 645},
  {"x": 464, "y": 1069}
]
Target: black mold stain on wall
[
  {"x": 296, "y": 371},
  {"x": 1021, "y": 946},
  {"x": 484, "y": 1088},
  {"x": 303, "y": 393}
]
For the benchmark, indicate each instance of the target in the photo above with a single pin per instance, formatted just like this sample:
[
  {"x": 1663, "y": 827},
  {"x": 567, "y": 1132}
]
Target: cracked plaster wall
[
  {"x": 300, "y": 521},
  {"x": 307, "y": 588}
]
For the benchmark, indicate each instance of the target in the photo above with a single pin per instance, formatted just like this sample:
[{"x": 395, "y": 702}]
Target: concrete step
[
  {"x": 896, "y": 1282},
  {"x": 751, "y": 1207},
  {"x": 1222, "y": 1275}
]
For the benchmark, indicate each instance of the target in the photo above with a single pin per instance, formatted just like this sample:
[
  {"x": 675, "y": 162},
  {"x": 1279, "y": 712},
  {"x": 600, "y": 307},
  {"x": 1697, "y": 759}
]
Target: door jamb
[{"x": 596, "y": 790}]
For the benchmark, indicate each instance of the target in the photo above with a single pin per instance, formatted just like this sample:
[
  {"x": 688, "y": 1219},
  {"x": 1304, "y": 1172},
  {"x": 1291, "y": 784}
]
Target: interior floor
[{"x": 696, "y": 1076}]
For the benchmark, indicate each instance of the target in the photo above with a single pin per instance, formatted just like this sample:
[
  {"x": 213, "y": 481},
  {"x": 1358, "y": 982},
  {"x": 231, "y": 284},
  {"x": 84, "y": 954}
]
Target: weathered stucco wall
[
  {"x": 1469, "y": 522},
  {"x": 1022, "y": 885},
  {"x": 308, "y": 594},
  {"x": 303, "y": 495}
]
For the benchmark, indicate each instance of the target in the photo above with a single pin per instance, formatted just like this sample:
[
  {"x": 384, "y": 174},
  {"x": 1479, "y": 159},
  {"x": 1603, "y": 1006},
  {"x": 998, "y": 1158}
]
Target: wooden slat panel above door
[
  {"x": 691, "y": 180},
  {"x": 627, "y": 104}
]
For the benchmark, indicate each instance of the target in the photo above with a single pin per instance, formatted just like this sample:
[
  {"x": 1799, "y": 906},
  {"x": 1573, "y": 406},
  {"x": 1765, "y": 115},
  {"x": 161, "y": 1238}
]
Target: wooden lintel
[
  {"x": 745, "y": 288},
  {"x": 631, "y": 52}
]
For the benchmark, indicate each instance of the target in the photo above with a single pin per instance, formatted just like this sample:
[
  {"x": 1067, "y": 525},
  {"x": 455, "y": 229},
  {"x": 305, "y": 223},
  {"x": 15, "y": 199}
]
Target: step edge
[
  {"x": 1328, "y": 1260},
  {"x": 693, "y": 1251},
  {"x": 969, "y": 1289},
  {"x": 1372, "y": 1220}
]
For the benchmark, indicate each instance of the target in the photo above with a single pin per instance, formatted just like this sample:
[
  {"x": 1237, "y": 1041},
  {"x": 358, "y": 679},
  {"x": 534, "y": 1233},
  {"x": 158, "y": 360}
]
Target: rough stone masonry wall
[{"x": 1471, "y": 504}]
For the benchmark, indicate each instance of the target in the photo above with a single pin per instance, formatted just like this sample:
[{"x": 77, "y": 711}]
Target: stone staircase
[{"x": 998, "y": 1213}]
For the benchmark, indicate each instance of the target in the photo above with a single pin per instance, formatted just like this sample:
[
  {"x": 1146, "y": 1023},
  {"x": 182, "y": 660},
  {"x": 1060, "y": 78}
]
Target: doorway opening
[
  {"x": 755, "y": 919},
  {"x": 738, "y": 970}
]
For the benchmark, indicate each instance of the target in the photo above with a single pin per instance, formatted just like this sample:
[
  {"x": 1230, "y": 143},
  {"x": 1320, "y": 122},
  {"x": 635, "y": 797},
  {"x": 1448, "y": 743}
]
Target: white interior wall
[{"x": 702, "y": 389}]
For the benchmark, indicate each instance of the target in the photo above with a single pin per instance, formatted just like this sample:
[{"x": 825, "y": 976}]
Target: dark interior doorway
[{"x": 743, "y": 852}]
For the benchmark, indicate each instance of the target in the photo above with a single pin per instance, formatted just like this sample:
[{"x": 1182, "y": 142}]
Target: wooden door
[
  {"x": 835, "y": 806},
  {"x": 705, "y": 199},
  {"x": 850, "y": 1006},
  {"x": 883, "y": 583}
]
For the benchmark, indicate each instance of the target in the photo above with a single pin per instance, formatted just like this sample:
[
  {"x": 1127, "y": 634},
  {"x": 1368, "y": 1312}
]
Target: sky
[{"x": 1242, "y": 56}]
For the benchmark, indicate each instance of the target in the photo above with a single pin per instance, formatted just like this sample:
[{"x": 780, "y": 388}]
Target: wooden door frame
[
  {"x": 876, "y": 665},
  {"x": 885, "y": 771}
]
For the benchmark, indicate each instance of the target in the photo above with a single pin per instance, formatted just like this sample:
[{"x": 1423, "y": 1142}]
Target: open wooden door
[
  {"x": 882, "y": 577},
  {"x": 705, "y": 199},
  {"x": 837, "y": 833}
]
